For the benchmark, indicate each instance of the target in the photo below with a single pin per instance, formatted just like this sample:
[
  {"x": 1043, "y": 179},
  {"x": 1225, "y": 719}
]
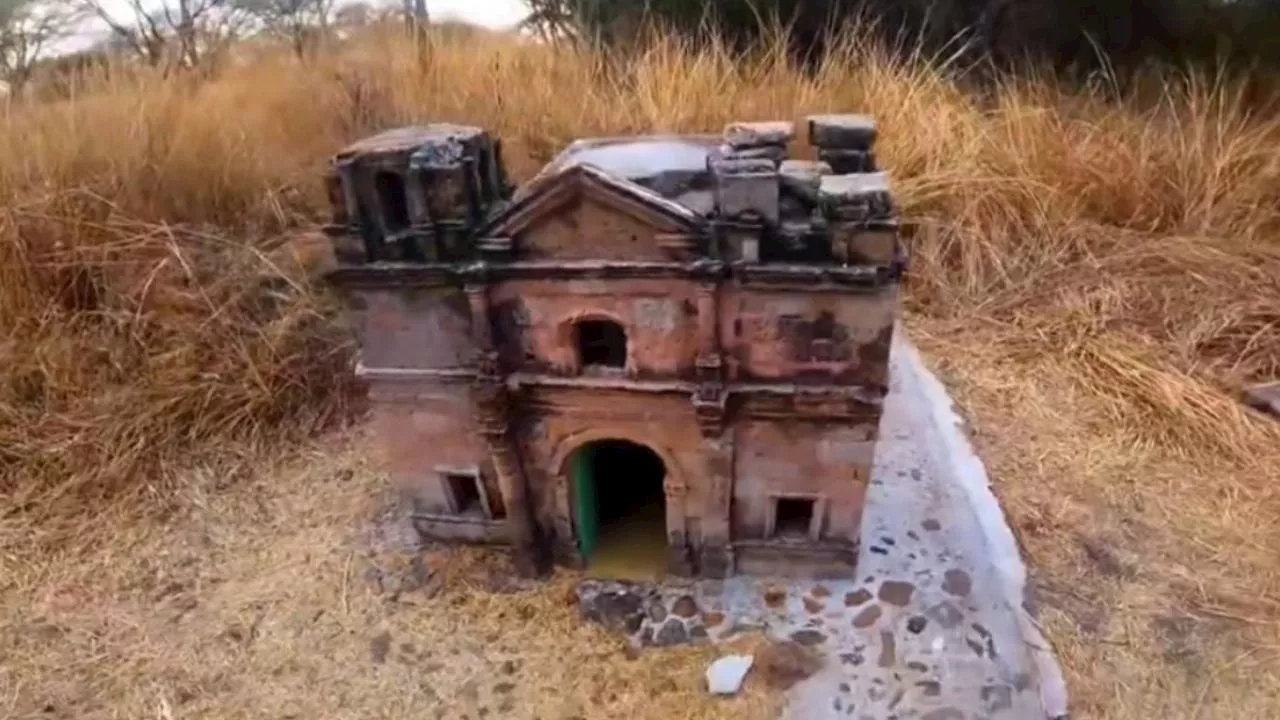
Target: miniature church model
[{"x": 670, "y": 350}]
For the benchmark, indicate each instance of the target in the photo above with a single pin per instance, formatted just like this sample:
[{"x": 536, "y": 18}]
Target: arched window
[{"x": 601, "y": 343}]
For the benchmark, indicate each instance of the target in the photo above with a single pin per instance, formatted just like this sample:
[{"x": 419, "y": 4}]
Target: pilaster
[
  {"x": 679, "y": 562},
  {"x": 492, "y": 403},
  {"x": 710, "y": 397},
  {"x": 716, "y": 552}
]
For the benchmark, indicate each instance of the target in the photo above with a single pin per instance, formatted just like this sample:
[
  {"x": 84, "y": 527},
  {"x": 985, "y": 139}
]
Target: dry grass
[
  {"x": 1094, "y": 275},
  {"x": 256, "y": 602}
]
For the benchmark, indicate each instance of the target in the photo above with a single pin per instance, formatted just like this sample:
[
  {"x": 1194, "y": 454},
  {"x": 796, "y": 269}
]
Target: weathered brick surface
[{"x": 757, "y": 302}]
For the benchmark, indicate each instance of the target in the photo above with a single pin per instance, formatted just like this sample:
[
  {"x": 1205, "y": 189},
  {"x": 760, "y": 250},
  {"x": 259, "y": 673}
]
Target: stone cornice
[
  {"x": 794, "y": 277},
  {"x": 539, "y": 381}
]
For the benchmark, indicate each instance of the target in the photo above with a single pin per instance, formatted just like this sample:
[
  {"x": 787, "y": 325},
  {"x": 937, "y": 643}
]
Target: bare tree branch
[
  {"x": 301, "y": 23},
  {"x": 27, "y": 31},
  {"x": 168, "y": 32}
]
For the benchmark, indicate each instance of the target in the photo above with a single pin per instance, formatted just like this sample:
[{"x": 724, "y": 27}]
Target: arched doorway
[{"x": 619, "y": 508}]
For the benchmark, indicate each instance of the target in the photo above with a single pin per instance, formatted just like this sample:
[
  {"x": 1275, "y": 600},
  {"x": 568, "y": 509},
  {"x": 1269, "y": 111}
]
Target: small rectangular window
[
  {"x": 464, "y": 491},
  {"x": 602, "y": 343},
  {"x": 793, "y": 518}
]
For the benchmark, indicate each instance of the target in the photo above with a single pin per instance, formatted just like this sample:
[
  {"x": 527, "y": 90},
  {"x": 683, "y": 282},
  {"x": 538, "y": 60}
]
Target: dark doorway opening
[
  {"x": 601, "y": 343},
  {"x": 620, "y": 509}
]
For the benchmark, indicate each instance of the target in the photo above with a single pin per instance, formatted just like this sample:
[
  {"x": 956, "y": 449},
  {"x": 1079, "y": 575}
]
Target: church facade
[{"x": 696, "y": 325}]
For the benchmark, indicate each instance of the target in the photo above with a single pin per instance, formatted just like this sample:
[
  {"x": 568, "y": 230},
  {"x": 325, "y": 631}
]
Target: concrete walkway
[
  {"x": 933, "y": 627},
  {"x": 943, "y": 634}
]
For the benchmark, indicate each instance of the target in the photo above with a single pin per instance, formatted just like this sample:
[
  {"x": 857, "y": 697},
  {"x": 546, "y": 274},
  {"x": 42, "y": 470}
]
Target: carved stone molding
[
  {"x": 674, "y": 487},
  {"x": 710, "y": 403}
]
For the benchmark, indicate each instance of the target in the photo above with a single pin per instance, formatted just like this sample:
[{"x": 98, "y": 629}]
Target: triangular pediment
[{"x": 553, "y": 195}]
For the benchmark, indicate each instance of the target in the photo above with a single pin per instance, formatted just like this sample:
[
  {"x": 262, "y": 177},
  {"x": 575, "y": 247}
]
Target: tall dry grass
[{"x": 147, "y": 321}]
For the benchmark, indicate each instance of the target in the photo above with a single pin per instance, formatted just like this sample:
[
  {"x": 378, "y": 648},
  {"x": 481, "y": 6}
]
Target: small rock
[
  {"x": 808, "y": 638},
  {"x": 673, "y": 632},
  {"x": 774, "y": 597},
  {"x": 712, "y": 619},
  {"x": 867, "y": 617},
  {"x": 888, "y": 649},
  {"x": 725, "y": 675},
  {"x": 813, "y": 606},
  {"x": 698, "y": 632},
  {"x": 931, "y": 525},
  {"x": 917, "y": 624},
  {"x": 685, "y": 607},
  {"x": 856, "y": 598},
  {"x": 956, "y": 582},
  {"x": 657, "y": 612},
  {"x": 896, "y": 592},
  {"x": 615, "y": 610},
  {"x": 820, "y": 591}
]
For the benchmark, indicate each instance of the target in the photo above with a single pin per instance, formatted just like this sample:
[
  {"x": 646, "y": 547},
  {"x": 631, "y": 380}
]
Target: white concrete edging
[{"x": 952, "y": 453}]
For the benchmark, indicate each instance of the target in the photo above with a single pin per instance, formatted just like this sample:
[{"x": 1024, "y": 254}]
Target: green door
[{"x": 584, "y": 501}]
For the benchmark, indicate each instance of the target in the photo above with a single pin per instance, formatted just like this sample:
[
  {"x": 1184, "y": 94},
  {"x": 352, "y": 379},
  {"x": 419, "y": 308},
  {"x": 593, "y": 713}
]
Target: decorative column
[
  {"x": 716, "y": 559},
  {"x": 710, "y": 404},
  {"x": 708, "y": 332},
  {"x": 493, "y": 415},
  {"x": 344, "y": 230},
  {"x": 678, "y": 561}
]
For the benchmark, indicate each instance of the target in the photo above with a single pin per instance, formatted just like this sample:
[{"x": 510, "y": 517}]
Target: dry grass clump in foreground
[
  {"x": 1094, "y": 274},
  {"x": 256, "y": 602}
]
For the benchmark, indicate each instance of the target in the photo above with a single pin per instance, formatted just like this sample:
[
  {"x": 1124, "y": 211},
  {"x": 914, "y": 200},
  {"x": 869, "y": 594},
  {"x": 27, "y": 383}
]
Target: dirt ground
[
  {"x": 264, "y": 594},
  {"x": 271, "y": 598}
]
